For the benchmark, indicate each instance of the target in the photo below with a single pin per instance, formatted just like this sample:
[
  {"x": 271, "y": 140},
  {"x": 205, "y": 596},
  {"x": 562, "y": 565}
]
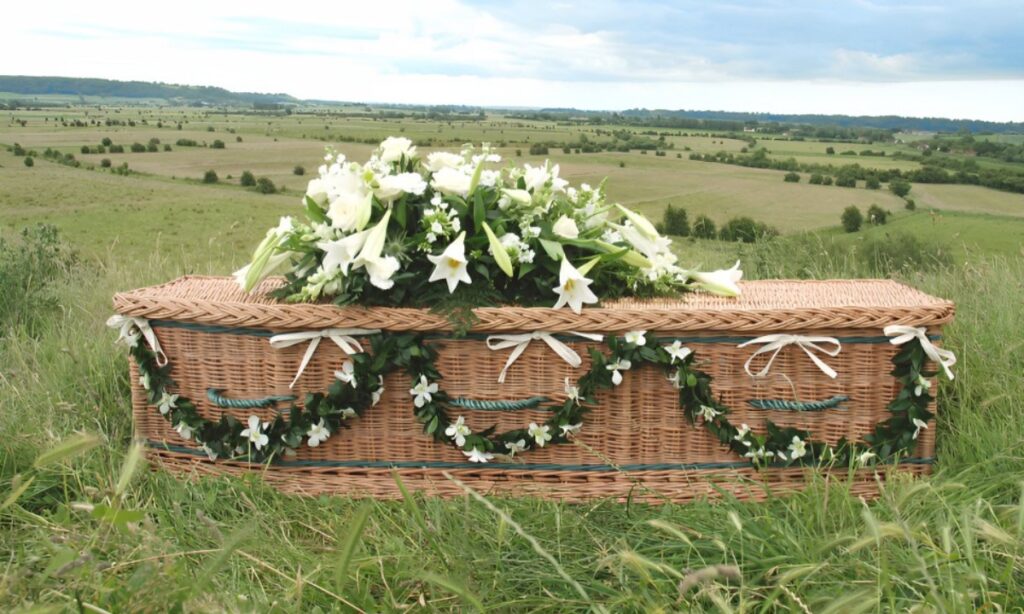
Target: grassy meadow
[{"x": 87, "y": 528}]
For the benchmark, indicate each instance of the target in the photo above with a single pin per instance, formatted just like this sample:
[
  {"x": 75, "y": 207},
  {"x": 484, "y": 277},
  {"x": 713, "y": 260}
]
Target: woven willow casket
[{"x": 636, "y": 443}]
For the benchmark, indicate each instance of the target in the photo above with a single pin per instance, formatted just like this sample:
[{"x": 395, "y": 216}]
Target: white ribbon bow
[
  {"x": 522, "y": 341},
  {"x": 342, "y": 337},
  {"x": 775, "y": 343},
  {"x": 127, "y": 323},
  {"x": 903, "y": 334}
]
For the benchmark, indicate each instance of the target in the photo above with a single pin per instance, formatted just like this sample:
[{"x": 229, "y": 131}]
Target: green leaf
[
  {"x": 401, "y": 213},
  {"x": 69, "y": 448},
  {"x": 116, "y": 516},
  {"x": 585, "y": 268},
  {"x": 475, "y": 180},
  {"x": 349, "y": 543},
  {"x": 479, "y": 212},
  {"x": 128, "y": 468},
  {"x": 631, "y": 257},
  {"x": 314, "y": 212},
  {"x": 498, "y": 251},
  {"x": 553, "y": 249},
  {"x": 16, "y": 491}
]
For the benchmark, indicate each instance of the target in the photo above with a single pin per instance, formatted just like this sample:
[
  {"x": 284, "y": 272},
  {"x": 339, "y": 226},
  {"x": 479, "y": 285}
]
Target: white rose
[
  {"x": 392, "y": 186},
  {"x": 394, "y": 147},
  {"x": 317, "y": 190},
  {"x": 566, "y": 227},
  {"x": 443, "y": 159},
  {"x": 349, "y": 198},
  {"x": 451, "y": 181}
]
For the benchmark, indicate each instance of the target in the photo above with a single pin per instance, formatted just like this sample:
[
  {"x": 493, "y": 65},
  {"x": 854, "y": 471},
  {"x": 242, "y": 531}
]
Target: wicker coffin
[{"x": 636, "y": 443}]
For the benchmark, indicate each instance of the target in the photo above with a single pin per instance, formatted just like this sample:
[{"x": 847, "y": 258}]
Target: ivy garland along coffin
[{"x": 680, "y": 398}]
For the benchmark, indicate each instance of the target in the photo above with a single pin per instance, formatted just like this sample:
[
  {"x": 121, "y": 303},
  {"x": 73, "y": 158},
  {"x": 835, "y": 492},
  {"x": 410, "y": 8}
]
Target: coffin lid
[{"x": 764, "y": 307}]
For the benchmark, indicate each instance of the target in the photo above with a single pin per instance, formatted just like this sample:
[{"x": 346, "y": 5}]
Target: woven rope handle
[
  {"x": 213, "y": 395},
  {"x": 499, "y": 405},
  {"x": 785, "y": 405}
]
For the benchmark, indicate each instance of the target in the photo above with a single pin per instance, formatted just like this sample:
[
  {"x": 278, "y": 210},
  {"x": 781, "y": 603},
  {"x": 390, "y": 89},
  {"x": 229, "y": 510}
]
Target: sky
[{"x": 959, "y": 59}]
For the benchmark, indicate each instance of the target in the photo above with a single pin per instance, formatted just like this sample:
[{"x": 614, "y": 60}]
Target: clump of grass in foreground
[{"x": 948, "y": 543}]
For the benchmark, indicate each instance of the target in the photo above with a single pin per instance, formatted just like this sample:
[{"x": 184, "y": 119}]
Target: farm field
[{"x": 947, "y": 543}]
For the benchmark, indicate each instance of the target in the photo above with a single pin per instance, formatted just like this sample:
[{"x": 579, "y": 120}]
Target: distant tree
[
  {"x": 872, "y": 183},
  {"x": 116, "y": 149},
  {"x": 846, "y": 181},
  {"x": 791, "y": 177},
  {"x": 816, "y": 179},
  {"x": 100, "y": 149},
  {"x": 745, "y": 229},
  {"x": 29, "y": 162},
  {"x": 622, "y": 164},
  {"x": 210, "y": 177},
  {"x": 852, "y": 219},
  {"x": 538, "y": 149},
  {"x": 704, "y": 228},
  {"x": 138, "y": 148},
  {"x": 299, "y": 170},
  {"x": 85, "y": 149},
  {"x": 247, "y": 179},
  {"x": 877, "y": 215},
  {"x": 106, "y": 141},
  {"x": 238, "y": 139},
  {"x": 152, "y": 148},
  {"x": 519, "y": 153},
  {"x": 167, "y": 147},
  {"x": 217, "y": 144},
  {"x": 676, "y": 221},
  {"x": 209, "y": 128},
  {"x": 265, "y": 186},
  {"x": 827, "y": 180},
  {"x": 910, "y": 205},
  {"x": 899, "y": 187},
  {"x": 105, "y": 163},
  {"x": 18, "y": 150},
  {"x": 830, "y": 150}
]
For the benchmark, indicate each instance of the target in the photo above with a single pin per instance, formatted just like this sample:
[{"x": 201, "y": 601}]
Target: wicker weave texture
[{"x": 637, "y": 424}]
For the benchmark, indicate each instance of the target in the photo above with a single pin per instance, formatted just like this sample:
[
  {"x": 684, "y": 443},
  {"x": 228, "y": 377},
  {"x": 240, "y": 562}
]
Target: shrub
[
  {"x": 538, "y": 149},
  {"x": 899, "y": 187},
  {"x": 704, "y": 228},
  {"x": 830, "y": 150},
  {"x": 117, "y": 149},
  {"x": 210, "y": 176},
  {"x": 519, "y": 153},
  {"x": 152, "y": 148},
  {"x": 238, "y": 139},
  {"x": 106, "y": 141},
  {"x": 816, "y": 179},
  {"x": 791, "y": 177},
  {"x": 186, "y": 143},
  {"x": 85, "y": 149},
  {"x": 265, "y": 186},
  {"x": 910, "y": 205},
  {"x": 622, "y": 164},
  {"x": 247, "y": 179},
  {"x": 745, "y": 229},
  {"x": 872, "y": 183},
  {"x": 105, "y": 162},
  {"x": 167, "y": 147},
  {"x": 827, "y": 180},
  {"x": 877, "y": 215},
  {"x": 902, "y": 252},
  {"x": 100, "y": 149},
  {"x": 29, "y": 162},
  {"x": 676, "y": 221},
  {"x": 852, "y": 219},
  {"x": 18, "y": 150},
  {"x": 217, "y": 144},
  {"x": 209, "y": 128},
  {"x": 299, "y": 170},
  {"x": 846, "y": 181},
  {"x": 138, "y": 148},
  {"x": 31, "y": 270}
]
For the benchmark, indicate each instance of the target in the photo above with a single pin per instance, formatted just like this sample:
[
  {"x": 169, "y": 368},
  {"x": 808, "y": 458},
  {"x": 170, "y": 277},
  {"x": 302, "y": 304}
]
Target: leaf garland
[{"x": 228, "y": 438}]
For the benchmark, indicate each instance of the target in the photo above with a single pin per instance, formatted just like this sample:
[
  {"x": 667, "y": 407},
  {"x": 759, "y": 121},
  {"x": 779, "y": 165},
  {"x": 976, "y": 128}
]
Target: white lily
[
  {"x": 522, "y": 197},
  {"x": 351, "y": 201},
  {"x": 476, "y": 456},
  {"x": 450, "y": 265},
  {"x": 675, "y": 379},
  {"x": 255, "y": 433},
  {"x": 167, "y": 402},
  {"x": 572, "y": 392},
  {"x": 347, "y": 373},
  {"x": 708, "y": 413},
  {"x": 381, "y": 269},
  {"x": 797, "y": 448},
  {"x": 677, "y": 351},
  {"x": 566, "y": 227},
  {"x": 573, "y": 288},
  {"x": 742, "y": 433},
  {"x": 317, "y": 433},
  {"x": 540, "y": 433},
  {"x": 722, "y": 282},
  {"x": 458, "y": 431},
  {"x": 184, "y": 430},
  {"x": 422, "y": 392},
  {"x": 340, "y": 254},
  {"x": 515, "y": 447},
  {"x": 617, "y": 368},
  {"x": 919, "y": 424},
  {"x": 636, "y": 337}
]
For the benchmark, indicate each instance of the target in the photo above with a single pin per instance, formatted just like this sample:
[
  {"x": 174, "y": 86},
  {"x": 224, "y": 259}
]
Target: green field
[{"x": 948, "y": 543}]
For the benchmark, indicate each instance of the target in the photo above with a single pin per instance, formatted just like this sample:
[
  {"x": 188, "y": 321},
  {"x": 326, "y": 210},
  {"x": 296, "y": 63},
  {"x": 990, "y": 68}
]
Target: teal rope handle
[
  {"x": 481, "y": 405},
  {"x": 798, "y": 405},
  {"x": 213, "y": 395}
]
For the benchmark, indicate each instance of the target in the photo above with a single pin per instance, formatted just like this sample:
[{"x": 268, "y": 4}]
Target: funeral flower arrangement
[{"x": 459, "y": 229}]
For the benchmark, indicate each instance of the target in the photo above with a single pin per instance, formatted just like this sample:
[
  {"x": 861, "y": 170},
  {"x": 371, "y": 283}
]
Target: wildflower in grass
[
  {"x": 254, "y": 433},
  {"x": 617, "y": 368},
  {"x": 423, "y": 391},
  {"x": 317, "y": 433},
  {"x": 458, "y": 431},
  {"x": 540, "y": 433}
]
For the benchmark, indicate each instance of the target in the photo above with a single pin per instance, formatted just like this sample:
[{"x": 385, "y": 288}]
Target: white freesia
[
  {"x": 741, "y": 434},
  {"x": 617, "y": 368},
  {"x": 515, "y": 447},
  {"x": 167, "y": 402},
  {"x": 569, "y": 430},
  {"x": 339, "y": 255},
  {"x": 390, "y": 187},
  {"x": 566, "y": 227},
  {"x": 380, "y": 268},
  {"x": 443, "y": 159},
  {"x": 540, "y": 433},
  {"x": 797, "y": 448},
  {"x": 636, "y": 337},
  {"x": 254, "y": 433},
  {"x": 759, "y": 455},
  {"x": 378, "y": 393},
  {"x": 476, "y": 456},
  {"x": 865, "y": 458},
  {"x": 572, "y": 391},
  {"x": 677, "y": 351},
  {"x": 144, "y": 380},
  {"x": 317, "y": 433},
  {"x": 675, "y": 379},
  {"x": 708, "y": 413},
  {"x": 573, "y": 288},
  {"x": 394, "y": 147},
  {"x": 722, "y": 282},
  {"x": 422, "y": 392},
  {"x": 450, "y": 265},
  {"x": 458, "y": 431},
  {"x": 918, "y": 424},
  {"x": 922, "y": 385},
  {"x": 451, "y": 181},
  {"x": 184, "y": 430},
  {"x": 348, "y": 413},
  {"x": 347, "y": 374}
]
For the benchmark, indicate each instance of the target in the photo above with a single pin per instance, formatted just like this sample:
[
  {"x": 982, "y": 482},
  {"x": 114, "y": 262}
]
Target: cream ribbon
[
  {"x": 127, "y": 323},
  {"x": 903, "y": 334},
  {"x": 775, "y": 343},
  {"x": 342, "y": 337},
  {"x": 522, "y": 341}
]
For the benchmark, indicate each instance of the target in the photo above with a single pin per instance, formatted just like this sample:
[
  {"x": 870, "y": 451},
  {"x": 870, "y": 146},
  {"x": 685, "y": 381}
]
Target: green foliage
[
  {"x": 105, "y": 163},
  {"x": 538, "y": 149},
  {"x": 675, "y": 221},
  {"x": 32, "y": 268},
  {"x": 217, "y": 144},
  {"x": 791, "y": 177},
  {"x": 830, "y": 150},
  {"x": 29, "y": 162},
  {"x": 247, "y": 179},
  {"x": 903, "y": 253},
  {"x": 265, "y": 186},
  {"x": 106, "y": 141},
  {"x": 899, "y": 187},
  {"x": 872, "y": 183},
  {"x": 704, "y": 228},
  {"x": 138, "y": 148},
  {"x": 299, "y": 170},
  {"x": 877, "y": 215},
  {"x": 910, "y": 205},
  {"x": 746, "y": 230},
  {"x": 210, "y": 176},
  {"x": 816, "y": 179},
  {"x": 852, "y": 219},
  {"x": 845, "y": 180}
]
